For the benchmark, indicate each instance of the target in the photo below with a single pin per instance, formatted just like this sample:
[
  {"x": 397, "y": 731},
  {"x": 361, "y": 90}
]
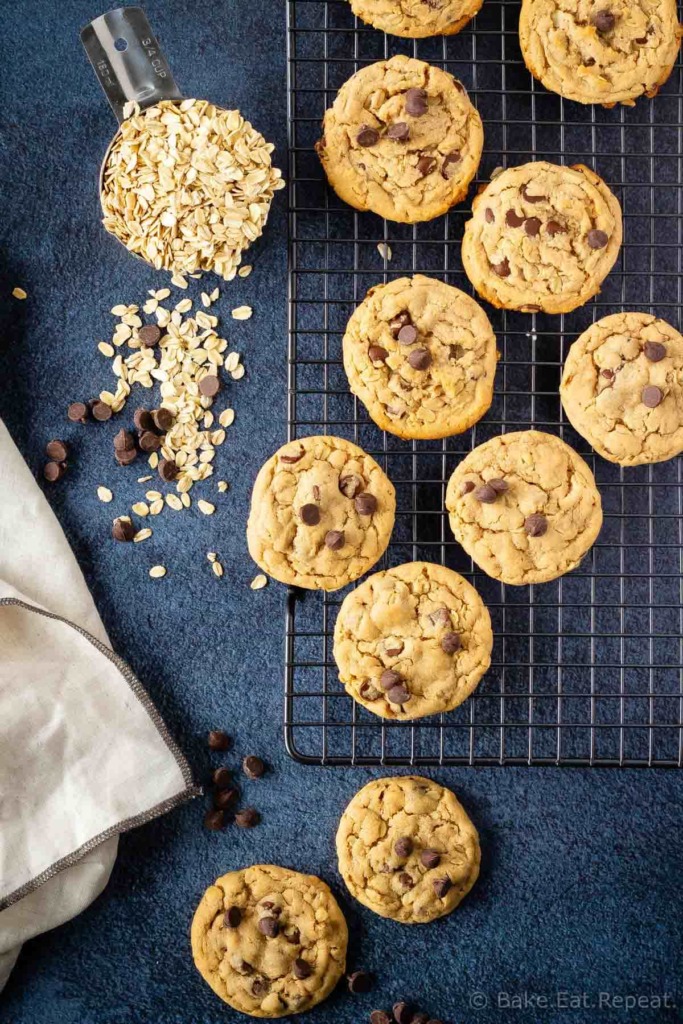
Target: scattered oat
[
  {"x": 104, "y": 494},
  {"x": 186, "y": 500},
  {"x": 156, "y": 507},
  {"x": 120, "y": 310},
  {"x": 212, "y": 556},
  {"x": 142, "y": 535},
  {"x": 206, "y": 300},
  {"x": 258, "y": 582},
  {"x": 238, "y": 372},
  {"x": 145, "y": 479},
  {"x": 19, "y": 293},
  {"x": 384, "y": 249},
  {"x": 179, "y": 281},
  {"x": 184, "y": 306},
  {"x": 153, "y": 495},
  {"x": 153, "y": 460},
  {"x": 157, "y": 571},
  {"x": 174, "y": 502},
  {"x": 227, "y": 417},
  {"x": 222, "y": 486},
  {"x": 242, "y": 313},
  {"x": 217, "y": 569},
  {"x": 246, "y": 270},
  {"x": 214, "y": 294},
  {"x": 206, "y": 507},
  {"x": 232, "y": 361},
  {"x": 140, "y": 508}
]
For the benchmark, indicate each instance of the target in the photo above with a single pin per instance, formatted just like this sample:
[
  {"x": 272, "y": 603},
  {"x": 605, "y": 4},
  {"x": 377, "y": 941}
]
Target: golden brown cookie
[
  {"x": 600, "y": 51},
  {"x": 401, "y": 139},
  {"x": 622, "y": 388},
  {"x": 412, "y": 641},
  {"x": 421, "y": 356},
  {"x": 322, "y": 512},
  {"x": 407, "y": 849},
  {"x": 542, "y": 237},
  {"x": 269, "y": 941},
  {"x": 416, "y": 19},
  {"x": 525, "y": 507}
]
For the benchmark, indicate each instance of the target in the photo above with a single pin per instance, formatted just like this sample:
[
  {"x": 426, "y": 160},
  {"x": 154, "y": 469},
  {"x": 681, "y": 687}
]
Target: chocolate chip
[
  {"x": 642, "y": 40},
  {"x": 269, "y": 926},
  {"x": 607, "y": 374},
  {"x": 56, "y": 450},
  {"x": 398, "y": 695},
  {"x": 489, "y": 215},
  {"x": 399, "y": 321},
  {"x": 441, "y": 887},
  {"x": 77, "y": 412},
  {"x": 532, "y": 226},
  {"x": 163, "y": 418},
  {"x": 218, "y": 740},
  {"x": 379, "y": 1017},
  {"x": 359, "y": 981},
  {"x": 149, "y": 335},
  {"x": 406, "y": 880},
  {"x": 149, "y": 441},
  {"x": 651, "y": 396},
  {"x": 100, "y": 411},
  {"x": 420, "y": 1018},
  {"x": 142, "y": 418},
  {"x": 378, "y": 354},
  {"x": 260, "y": 986},
  {"x": 334, "y": 539},
  {"x": 597, "y": 239},
  {"x": 420, "y": 359},
  {"x": 292, "y": 935},
  {"x": 407, "y": 335},
  {"x": 426, "y": 165},
  {"x": 389, "y": 679},
  {"x": 309, "y": 514},
  {"x": 365, "y": 503},
  {"x": 604, "y": 20},
  {"x": 368, "y": 691},
  {"x": 125, "y": 456},
  {"x": 291, "y": 459},
  {"x": 168, "y": 470},
  {"x": 531, "y": 199},
  {"x": 122, "y": 530},
  {"x": 450, "y": 643},
  {"x": 247, "y": 818},
  {"x": 440, "y": 617},
  {"x": 486, "y": 494},
  {"x": 416, "y": 102},
  {"x": 499, "y": 485},
  {"x": 367, "y": 136},
  {"x": 403, "y": 847},
  {"x": 214, "y": 820},
  {"x": 209, "y": 386},
  {"x": 253, "y": 767},
  {"x": 553, "y": 227},
  {"x": 536, "y": 525},
  {"x": 350, "y": 485},
  {"x": 514, "y": 219},
  {"x": 221, "y": 778},
  {"x": 301, "y": 969},
  {"x": 654, "y": 351},
  {"x": 502, "y": 269},
  {"x": 222, "y": 798},
  {"x": 246, "y": 968},
  {"x": 467, "y": 487},
  {"x": 124, "y": 441},
  {"x": 399, "y": 131},
  {"x": 450, "y": 163},
  {"x": 232, "y": 917},
  {"x": 402, "y": 1013},
  {"x": 430, "y": 858},
  {"x": 53, "y": 471},
  {"x": 455, "y": 351}
]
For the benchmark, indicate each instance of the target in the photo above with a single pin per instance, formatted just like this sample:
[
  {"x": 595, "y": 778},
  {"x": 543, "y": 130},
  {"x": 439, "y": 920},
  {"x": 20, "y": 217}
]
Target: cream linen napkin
[{"x": 84, "y": 754}]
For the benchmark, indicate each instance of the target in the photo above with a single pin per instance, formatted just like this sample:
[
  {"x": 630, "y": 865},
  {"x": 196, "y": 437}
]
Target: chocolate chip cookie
[
  {"x": 525, "y": 507},
  {"x": 600, "y": 51},
  {"x": 412, "y": 641},
  {"x": 407, "y": 849},
  {"x": 401, "y": 139},
  {"x": 269, "y": 941},
  {"x": 416, "y": 19},
  {"x": 322, "y": 512},
  {"x": 622, "y": 388},
  {"x": 421, "y": 356},
  {"x": 542, "y": 238}
]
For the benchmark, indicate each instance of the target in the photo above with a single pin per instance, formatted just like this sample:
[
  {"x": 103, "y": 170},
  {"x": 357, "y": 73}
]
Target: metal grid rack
[{"x": 587, "y": 670}]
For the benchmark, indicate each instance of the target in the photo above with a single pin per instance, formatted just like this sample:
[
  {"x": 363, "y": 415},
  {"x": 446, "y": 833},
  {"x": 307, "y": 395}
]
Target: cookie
[
  {"x": 421, "y": 356},
  {"x": 542, "y": 238},
  {"x": 416, "y": 19},
  {"x": 525, "y": 507},
  {"x": 269, "y": 941},
  {"x": 407, "y": 849},
  {"x": 412, "y": 641},
  {"x": 622, "y": 388},
  {"x": 600, "y": 51},
  {"x": 322, "y": 512},
  {"x": 401, "y": 139}
]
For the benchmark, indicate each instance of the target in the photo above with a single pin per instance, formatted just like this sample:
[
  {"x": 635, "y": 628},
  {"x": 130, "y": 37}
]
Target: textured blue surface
[{"x": 580, "y": 887}]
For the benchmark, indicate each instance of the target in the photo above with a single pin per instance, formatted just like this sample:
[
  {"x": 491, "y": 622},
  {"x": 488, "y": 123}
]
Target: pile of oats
[{"x": 188, "y": 186}]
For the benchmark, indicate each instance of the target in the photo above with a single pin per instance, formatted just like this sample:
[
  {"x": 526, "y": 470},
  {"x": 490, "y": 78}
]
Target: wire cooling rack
[{"x": 586, "y": 670}]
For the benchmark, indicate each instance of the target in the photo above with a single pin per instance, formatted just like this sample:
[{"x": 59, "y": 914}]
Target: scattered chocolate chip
[
  {"x": 209, "y": 386},
  {"x": 502, "y": 269},
  {"x": 260, "y": 986},
  {"x": 406, "y": 880},
  {"x": 416, "y": 102},
  {"x": 531, "y": 199},
  {"x": 426, "y": 165},
  {"x": 366, "y": 503},
  {"x": 489, "y": 215},
  {"x": 607, "y": 374},
  {"x": 389, "y": 679},
  {"x": 291, "y": 459},
  {"x": 378, "y": 354},
  {"x": 100, "y": 411},
  {"x": 597, "y": 239},
  {"x": 122, "y": 530},
  {"x": 514, "y": 219},
  {"x": 214, "y": 820},
  {"x": 430, "y": 858},
  {"x": 359, "y": 981},
  {"x": 403, "y": 847},
  {"x": 223, "y": 798},
  {"x": 149, "y": 335},
  {"x": 168, "y": 470},
  {"x": 419, "y": 1018},
  {"x": 163, "y": 418},
  {"x": 218, "y": 740},
  {"x": 247, "y": 818},
  {"x": 124, "y": 441},
  {"x": 125, "y": 456},
  {"x": 407, "y": 335},
  {"x": 467, "y": 487},
  {"x": 604, "y": 20},
  {"x": 486, "y": 494},
  {"x": 499, "y": 485},
  {"x": 58, "y": 450},
  {"x": 77, "y": 412},
  {"x": 379, "y": 1017},
  {"x": 142, "y": 418},
  {"x": 553, "y": 227},
  {"x": 441, "y": 887},
  {"x": 399, "y": 321},
  {"x": 402, "y": 1013},
  {"x": 536, "y": 525},
  {"x": 221, "y": 778},
  {"x": 420, "y": 359},
  {"x": 53, "y": 471},
  {"x": 450, "y": 643},
  {"x": 651, "y": 396},
  {"x": 450, "y": 163},
  {"x": 253, "y": 767},
  {"x": 232, "y": 917},
  {"x": 301, "y": 969},
  {"x": 334, "y": 539},
  {"x": 532, "y": 226},
  {"x": 350, "y": 485},
  {"x": 269, "y": 926},
  {"x": 654, "y": 351},
  {"x": 399, "y": 131},
  {"x": 149, "y": 441},
  {"x": 398, "y": 695}
]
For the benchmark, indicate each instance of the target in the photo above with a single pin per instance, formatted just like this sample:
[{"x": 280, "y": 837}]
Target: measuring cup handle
[{"x": 127, "y": 60}]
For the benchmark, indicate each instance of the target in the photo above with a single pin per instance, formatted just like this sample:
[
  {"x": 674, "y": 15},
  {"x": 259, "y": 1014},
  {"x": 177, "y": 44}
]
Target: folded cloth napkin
[{"x": 84, "y": 754}]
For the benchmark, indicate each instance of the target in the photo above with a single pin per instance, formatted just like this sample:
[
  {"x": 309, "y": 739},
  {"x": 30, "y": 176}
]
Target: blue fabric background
[{"x": 581, "y": 878}]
